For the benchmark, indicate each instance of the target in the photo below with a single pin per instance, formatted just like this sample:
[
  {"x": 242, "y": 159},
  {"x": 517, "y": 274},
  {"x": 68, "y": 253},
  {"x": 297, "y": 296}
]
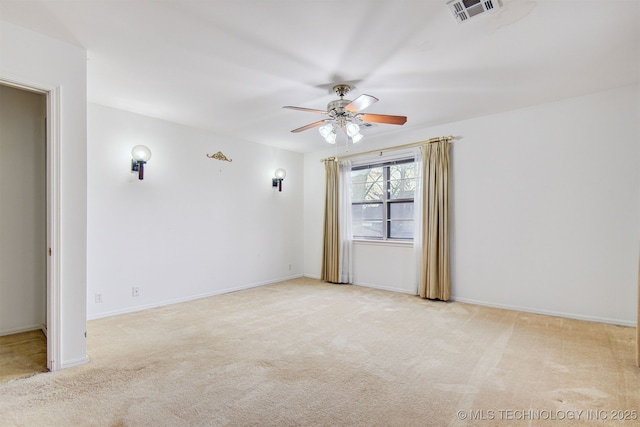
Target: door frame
[{"x": 52, "y": 94}]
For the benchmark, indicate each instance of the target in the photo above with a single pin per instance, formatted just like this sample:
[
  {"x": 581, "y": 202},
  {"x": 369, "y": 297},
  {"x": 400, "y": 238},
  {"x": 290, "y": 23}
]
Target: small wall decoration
[{"x": 219, "y": 156}]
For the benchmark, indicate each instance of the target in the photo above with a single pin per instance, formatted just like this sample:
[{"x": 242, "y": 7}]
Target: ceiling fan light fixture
[
  {"x": 344, "y": 113},
  {"x": 325, "y": 130},
  {"x": 328, "y": 132},
  {"x": 353, "y": 130}
]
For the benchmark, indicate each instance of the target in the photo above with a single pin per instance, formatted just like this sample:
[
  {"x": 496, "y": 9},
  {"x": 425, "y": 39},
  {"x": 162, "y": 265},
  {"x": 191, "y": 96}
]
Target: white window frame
[{"x": 386, "y": 202}]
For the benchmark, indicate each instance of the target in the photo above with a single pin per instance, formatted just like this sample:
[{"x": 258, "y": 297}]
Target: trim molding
[
  {"x": 386, "y": 288},
  {"x": 73, "y": 363},
  {"x": 53, "y": 315},
  {"x": 372, "y": 242},
  {"x": 619, "y": 322},
  {"x": 21, "y": 330},
  {"x": 189, "y": 298},
  {"x": 531, "y": 310}
]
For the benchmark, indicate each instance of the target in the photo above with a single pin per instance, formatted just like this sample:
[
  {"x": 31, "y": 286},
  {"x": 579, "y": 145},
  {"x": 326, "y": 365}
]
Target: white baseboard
[
  {"x": 20, "y": 330},
  {"x": 72, "y": 363},
  {"x": 370, "y": 285},
  {"x": 533, "y": 310},
  {"x": 188, "y": 298},
  {"x": 386, "y": 288}
]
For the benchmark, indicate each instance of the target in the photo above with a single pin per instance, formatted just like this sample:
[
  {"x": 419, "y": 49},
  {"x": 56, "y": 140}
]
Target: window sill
[{"x": 399, "y": 243}]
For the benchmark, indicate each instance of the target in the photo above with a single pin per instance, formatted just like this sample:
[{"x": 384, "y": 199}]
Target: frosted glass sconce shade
[
  {"x": 141, "y": 155},
  {"x": 279, "y": 175}
]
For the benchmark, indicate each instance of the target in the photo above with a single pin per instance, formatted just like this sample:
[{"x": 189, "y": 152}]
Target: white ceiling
[{"x": 230, "y": 66}]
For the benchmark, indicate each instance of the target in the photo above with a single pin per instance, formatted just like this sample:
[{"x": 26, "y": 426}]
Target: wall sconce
[
  {"x": 141, "y": 155},
  {"x": 279, "y": 175}
]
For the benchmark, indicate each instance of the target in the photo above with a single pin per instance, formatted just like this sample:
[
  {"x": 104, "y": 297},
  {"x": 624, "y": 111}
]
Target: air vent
[{"x": 463, "y": 10}]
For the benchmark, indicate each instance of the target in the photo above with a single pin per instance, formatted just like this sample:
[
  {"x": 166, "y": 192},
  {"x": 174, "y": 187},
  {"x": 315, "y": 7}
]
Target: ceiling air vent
[{"x": 463, "y": 10}]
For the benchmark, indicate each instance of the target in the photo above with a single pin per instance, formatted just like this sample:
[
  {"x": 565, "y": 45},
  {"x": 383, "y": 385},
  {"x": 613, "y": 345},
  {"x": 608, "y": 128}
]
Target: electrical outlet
[
  {"x": 98, "y": 297},
  {"x": 135, "y": 291}
]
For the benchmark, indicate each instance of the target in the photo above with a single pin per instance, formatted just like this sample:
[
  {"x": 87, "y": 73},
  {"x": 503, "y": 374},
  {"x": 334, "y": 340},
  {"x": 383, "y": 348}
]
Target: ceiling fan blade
[
  {"x": 383, "y": 118},
  {"x": 309, "y": 110},
  {"x": 360, "y": 103},
  {"x": 309, "y": 126}
]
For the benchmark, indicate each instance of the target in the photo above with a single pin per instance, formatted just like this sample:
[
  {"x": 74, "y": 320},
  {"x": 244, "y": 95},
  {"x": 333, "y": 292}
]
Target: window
[{"x": 382, "y": 200}]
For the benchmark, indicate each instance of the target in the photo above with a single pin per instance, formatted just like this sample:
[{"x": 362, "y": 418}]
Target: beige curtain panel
[
  {"x": 435, "y": 274},
  {"x": 331, "y": 240}
]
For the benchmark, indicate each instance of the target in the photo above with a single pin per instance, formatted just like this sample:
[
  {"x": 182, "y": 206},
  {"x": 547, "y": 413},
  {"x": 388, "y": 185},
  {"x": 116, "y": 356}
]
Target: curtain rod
[{"x": 397, "y": 147}]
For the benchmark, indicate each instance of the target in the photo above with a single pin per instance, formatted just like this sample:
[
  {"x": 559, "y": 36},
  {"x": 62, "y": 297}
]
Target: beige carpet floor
[{"x": 305, "y": 353}]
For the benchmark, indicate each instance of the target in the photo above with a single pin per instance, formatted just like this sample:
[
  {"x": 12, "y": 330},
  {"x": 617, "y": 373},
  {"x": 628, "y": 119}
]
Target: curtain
[
  {"x": 337, "y": 237},
  {"x": 417, "y": 217},
  {"x": 431, "y": 240}
]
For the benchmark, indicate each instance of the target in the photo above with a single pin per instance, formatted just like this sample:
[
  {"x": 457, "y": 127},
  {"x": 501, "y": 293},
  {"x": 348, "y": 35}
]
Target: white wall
[
  {"x": 544, "y": 210},
  {"x": 399, "y": 273},
  {"x": 194, "y": 226},
  {"x": 35, "y": 60}
]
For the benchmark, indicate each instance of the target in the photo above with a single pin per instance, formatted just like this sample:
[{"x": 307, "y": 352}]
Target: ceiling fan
[{"x": 345, "y": 114}]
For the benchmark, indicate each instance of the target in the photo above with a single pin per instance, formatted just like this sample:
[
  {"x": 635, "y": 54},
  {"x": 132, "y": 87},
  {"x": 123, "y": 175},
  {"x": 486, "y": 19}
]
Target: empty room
[{"x": 409, "y": 213}]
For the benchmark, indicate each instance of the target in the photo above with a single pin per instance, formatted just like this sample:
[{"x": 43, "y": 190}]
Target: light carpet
[{"x": 306, "y": 353}]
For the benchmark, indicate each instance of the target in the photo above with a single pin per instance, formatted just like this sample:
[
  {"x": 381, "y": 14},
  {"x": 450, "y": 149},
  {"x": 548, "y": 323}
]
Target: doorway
[{"x": 23, "y": 227}]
